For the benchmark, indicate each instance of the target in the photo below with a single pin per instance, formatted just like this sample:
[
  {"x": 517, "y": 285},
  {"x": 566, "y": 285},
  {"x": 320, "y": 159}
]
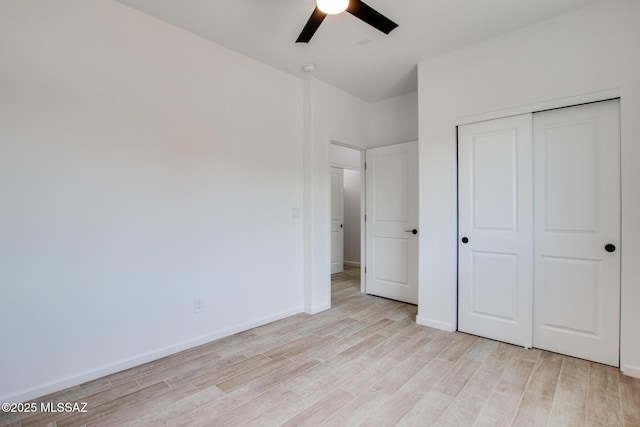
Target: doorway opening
[{"x": 347, "y": 211}]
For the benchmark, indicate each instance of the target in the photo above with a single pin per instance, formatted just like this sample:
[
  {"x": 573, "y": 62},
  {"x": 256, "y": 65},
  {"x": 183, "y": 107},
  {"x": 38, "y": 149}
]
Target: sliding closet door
[
  {"x": 577, "y": 237},
  {"x": 495, "y": 229}
]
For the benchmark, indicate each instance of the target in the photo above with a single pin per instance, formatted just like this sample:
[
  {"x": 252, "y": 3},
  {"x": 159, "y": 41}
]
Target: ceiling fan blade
[
  {"x": 371, "y": 16},
  {"x": 311, "y": 26}
]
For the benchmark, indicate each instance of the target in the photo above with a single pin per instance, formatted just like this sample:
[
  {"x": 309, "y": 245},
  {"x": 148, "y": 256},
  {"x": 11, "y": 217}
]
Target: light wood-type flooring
[{"x": 363, "y": 362}]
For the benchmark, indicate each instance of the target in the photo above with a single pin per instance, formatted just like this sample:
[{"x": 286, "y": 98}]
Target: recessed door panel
[
  {"x": 390, "y": 252},
  {"x": 494, "y": 180},
  {"x": 574, "y": 280},
  {"x": 570, "y": 166},
  {"x": 391, "y": 199},
  {"x": 495, "y": 293}
]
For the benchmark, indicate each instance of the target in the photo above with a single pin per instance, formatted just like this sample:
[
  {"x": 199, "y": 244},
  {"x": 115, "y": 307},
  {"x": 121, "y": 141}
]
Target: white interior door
[
  {"x": 577, "y": 214},
  {"x": 495, "y": 229},
  {"x": 392, "y": 222},
  {"x": 337, "y": 220}
]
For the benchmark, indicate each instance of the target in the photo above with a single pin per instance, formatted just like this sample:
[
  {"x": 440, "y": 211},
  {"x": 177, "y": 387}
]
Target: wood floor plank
[
  {"x": 290, "y": 370},
  {"x": 72, "y": 394},
  {"x": 462, "y": 411},
  {"x": 321, "y": 410},
  {"x": 603, "y": 397},
  {"x": 129, "y": 415},
  {"x": 93, "y": 401},
  {"x": 500, "y": 408},
  {"x": 363, "y": 374},
  {"x": 190, "y": 406},
  {"x": 544, "y": 379},
  {"x": 408, "y": 348},
  {"x": 572, "y": 388},
  {"x": 327, "y": 328},
  {"x": 374, "y": 328},
  {"x": 364, "y": 361},
  {"x": 500, "y": 358},
  {"x": 197, "y": 411},
  {"x": 193, "y": 374},
  {"x": 246, "y": 377},
  {"x": 482, "y": 383},
  {"x": 243, "y": 414},
  {"x": 338, "y": 347},
  {"x": 397, "y": 377},
  {"x": 534, "y": 410},
  {"x": 433, "y": 348},
  {"x": 398, "y": 325},
  {"x": 457, "y": 377},
  {"x": 356, "y": 411},
  {"x": 326, "y": 372},
  {"x": 211, "y": 378},
  {"x": 481, "y": 350},
  {"x": 503, "y": 403},
  {"x": 266, "y": 343},
  {"x": 317, "y": 345},
  {"x": 362, "y": 347},
  {"x": 567, "y": 415},
  {"x": 131, "y": 374},
  {"x": 296, "y": 344},
  {"x": 427, "y": 377},
  {"x": 389, "y": 345},
  {"x": 458, "y": 348},
  {"x": 630, "y": 399},
  {"x": 106, "y": 409},
  {"x": 195, "y": 363},
  {"x": 427, "y": 410},
  {"x": 516, "y": 376},
  {"x": 392, "y": 411}
]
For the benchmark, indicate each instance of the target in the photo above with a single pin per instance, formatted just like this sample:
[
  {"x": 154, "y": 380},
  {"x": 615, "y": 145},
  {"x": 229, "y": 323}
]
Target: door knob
[
  {"x": 413, "y": 231},
  {"x": 465, "y": 240},
  {"x": 340, "y": 225},
  {"x": 609, "y": 247}
]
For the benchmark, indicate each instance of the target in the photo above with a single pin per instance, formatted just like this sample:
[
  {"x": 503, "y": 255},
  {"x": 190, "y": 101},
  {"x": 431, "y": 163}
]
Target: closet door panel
[
  {"x": 495, "y": 229},
  {"x": 576, "y": 215}
]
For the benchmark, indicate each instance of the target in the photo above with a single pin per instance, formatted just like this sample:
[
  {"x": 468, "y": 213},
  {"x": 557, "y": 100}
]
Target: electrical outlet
[{"x": 197, "y": 305}]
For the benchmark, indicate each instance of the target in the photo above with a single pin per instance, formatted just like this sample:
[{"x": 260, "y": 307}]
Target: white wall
[
  {"x": 345, "y": 157},
  {"x": 334, "y": 115},
  {"x": 140, "y": 167},
  {"x": 352, "y": 216},
  {"x": 393, "y": 120},
  {"x": 331, "y": 115},
  {"x": 556, "y": 62}
]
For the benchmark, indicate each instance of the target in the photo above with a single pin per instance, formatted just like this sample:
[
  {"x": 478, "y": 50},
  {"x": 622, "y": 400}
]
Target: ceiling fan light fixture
[{"x": 332, "y": 7}]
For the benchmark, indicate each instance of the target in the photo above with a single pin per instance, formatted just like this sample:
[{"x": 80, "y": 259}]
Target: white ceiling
[{"x": 386, "y": 66}]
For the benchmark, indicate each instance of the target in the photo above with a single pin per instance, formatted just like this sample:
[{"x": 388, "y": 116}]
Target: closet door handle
[
  {"x": 609, "y": 247},
  {"x": 413, "y": 231},
  {"x": 465, "y": 240}
]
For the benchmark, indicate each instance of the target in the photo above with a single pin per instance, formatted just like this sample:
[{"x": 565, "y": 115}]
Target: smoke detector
[{"x": 309, "y": 68}]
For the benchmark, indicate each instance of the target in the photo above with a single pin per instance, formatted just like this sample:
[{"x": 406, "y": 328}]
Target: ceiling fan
[{"x": 355, "y": 7}]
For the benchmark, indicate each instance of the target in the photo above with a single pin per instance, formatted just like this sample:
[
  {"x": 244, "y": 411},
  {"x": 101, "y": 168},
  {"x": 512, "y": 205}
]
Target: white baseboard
[
  {"x": 317, "y": 309},
  {"x": 436, "y": 324},
  {"x": 352, "y": 263},
  {"x": 630, "y": 370},
  {"x": 121, "y": 365}
]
